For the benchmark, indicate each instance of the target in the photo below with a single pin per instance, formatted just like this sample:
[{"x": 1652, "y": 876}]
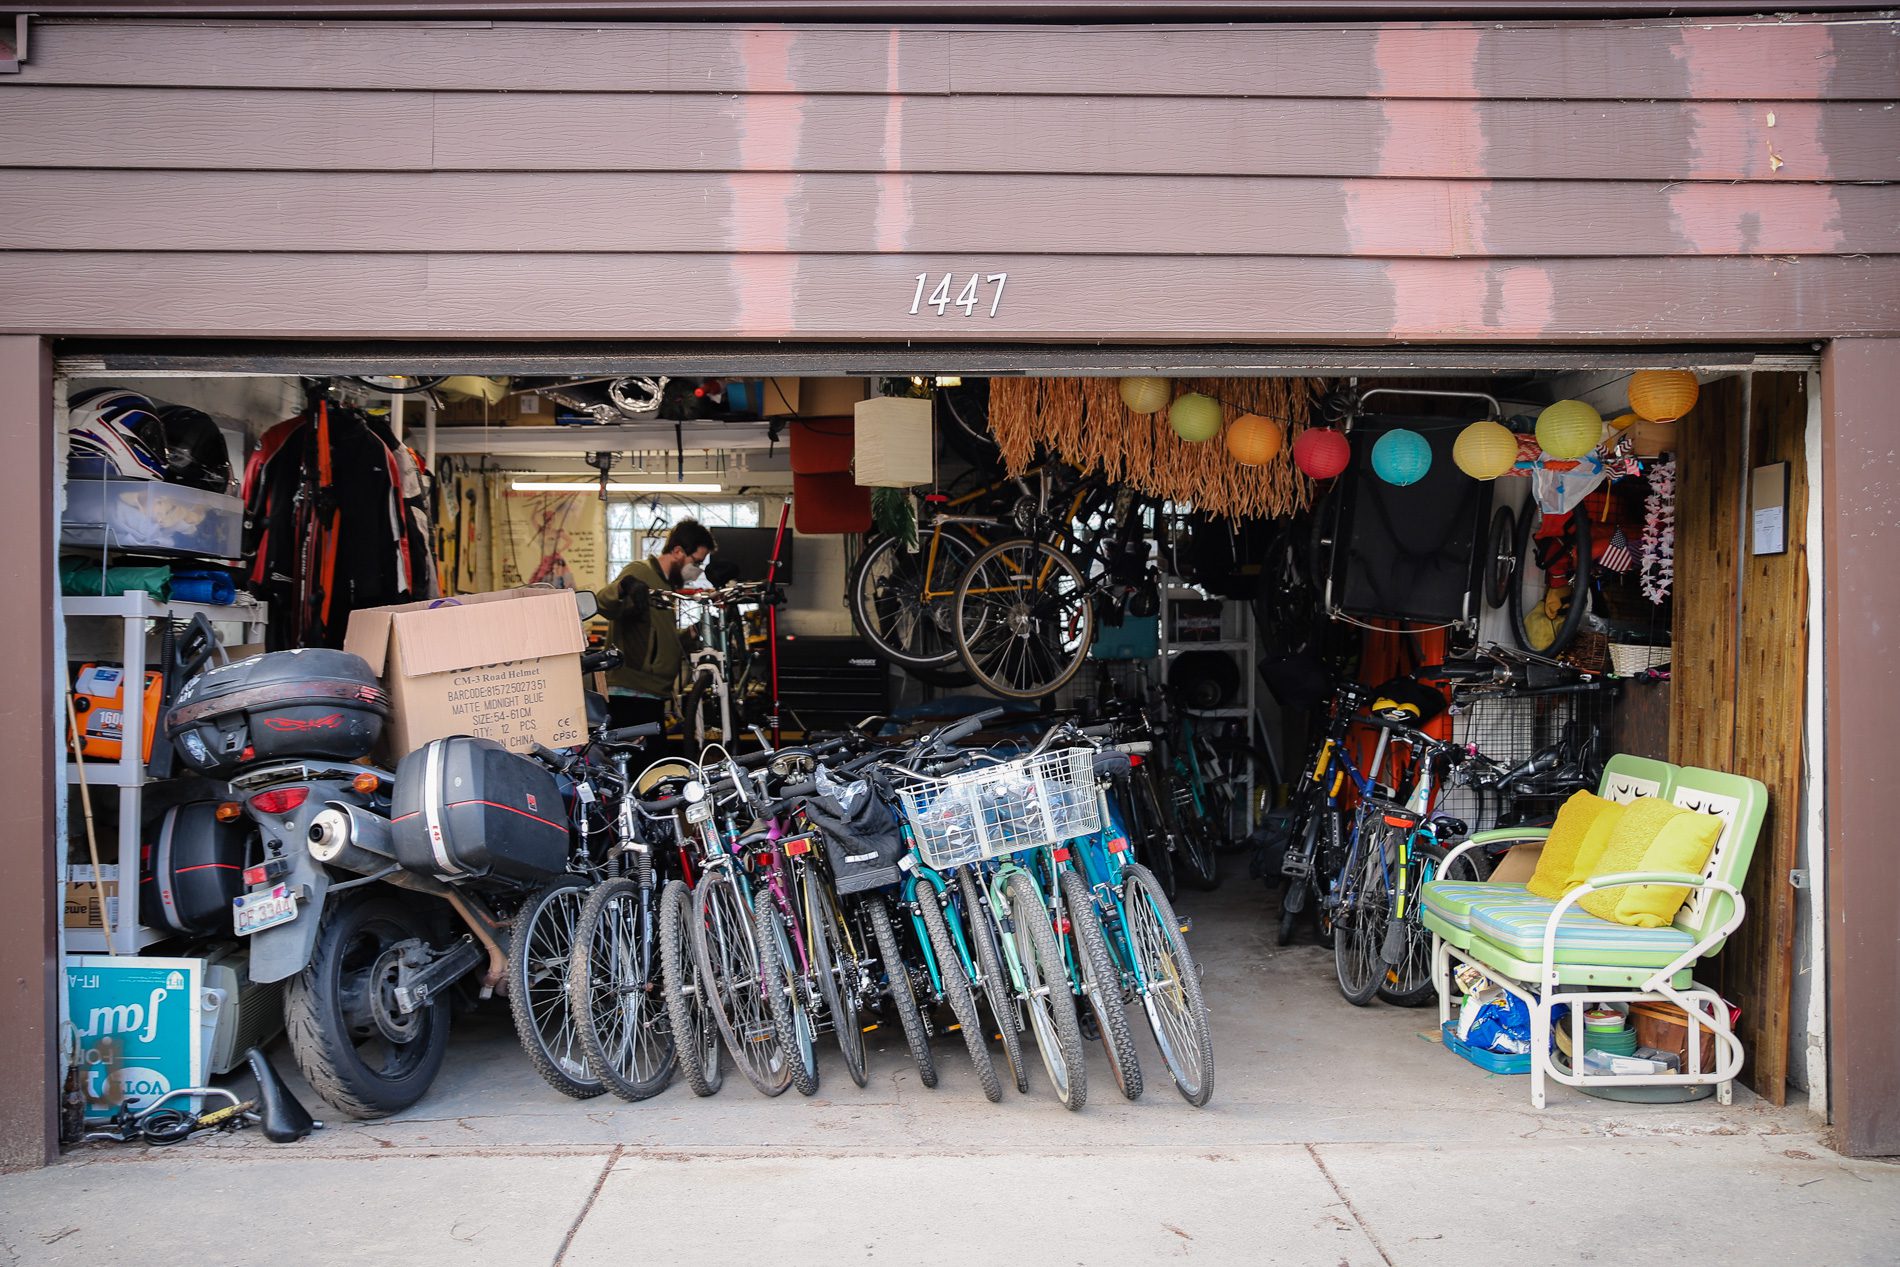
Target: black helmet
[{"x": 195, "y": 452}]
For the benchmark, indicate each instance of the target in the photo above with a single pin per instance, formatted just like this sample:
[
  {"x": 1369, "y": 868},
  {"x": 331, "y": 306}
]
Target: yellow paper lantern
[
  {"x": 1623, "y": 422},
  {"x": 1485, "y": 450},
  {"x": 1146, "y": 395},
  {"x": 1194, "y": 417},
  {"x": 1255, "y": 441},
  {"x": 1663, "y": 395},
  {"x": 1569, "y": 429}
]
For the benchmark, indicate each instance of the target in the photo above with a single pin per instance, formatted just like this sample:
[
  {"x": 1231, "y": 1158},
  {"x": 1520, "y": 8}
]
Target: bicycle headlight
[{"x": 694, "y": 791}]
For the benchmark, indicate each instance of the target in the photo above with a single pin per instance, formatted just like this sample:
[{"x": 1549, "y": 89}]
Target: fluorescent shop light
[{"x": 613, "y": 486}]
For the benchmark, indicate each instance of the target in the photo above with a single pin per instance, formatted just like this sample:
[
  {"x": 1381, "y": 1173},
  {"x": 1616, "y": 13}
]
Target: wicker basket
[{"x": 1627, "y": 659}]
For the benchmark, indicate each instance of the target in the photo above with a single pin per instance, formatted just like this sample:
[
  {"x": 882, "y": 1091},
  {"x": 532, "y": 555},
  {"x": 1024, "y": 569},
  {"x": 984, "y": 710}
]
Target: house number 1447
[{"x": 967, "y": 299}]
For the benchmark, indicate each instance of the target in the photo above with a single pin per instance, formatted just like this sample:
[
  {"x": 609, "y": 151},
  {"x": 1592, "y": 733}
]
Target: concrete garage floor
[{"x": 1337, "y": 1135}]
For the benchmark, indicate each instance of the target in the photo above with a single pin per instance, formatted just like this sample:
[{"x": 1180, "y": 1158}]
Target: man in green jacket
[{"x": 649, "y": 637}]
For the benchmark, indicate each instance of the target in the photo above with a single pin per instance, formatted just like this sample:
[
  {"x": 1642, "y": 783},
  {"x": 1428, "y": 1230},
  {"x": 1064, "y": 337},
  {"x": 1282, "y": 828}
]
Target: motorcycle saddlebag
[
  {"x": 310, "y": 703},
  {"x": 468, "y": 808},
  {"x": 191, "y": 868}
]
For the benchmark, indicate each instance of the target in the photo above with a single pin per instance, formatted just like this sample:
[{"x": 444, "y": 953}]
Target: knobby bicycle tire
[
  {"x": 897, "y": 988},
  {"x": 791, "y": 1015},
  {"x": 956, "y": 990},
  {"x": 1100, "y": 982},
  {"x": 695, "y": 1033}
]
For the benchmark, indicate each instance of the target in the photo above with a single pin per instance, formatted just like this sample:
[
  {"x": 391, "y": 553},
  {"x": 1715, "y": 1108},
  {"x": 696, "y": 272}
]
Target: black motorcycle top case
[
  {"x": 310, "y": 703},
  {"x": 190, "y": 868},
  {"x": 468, "y": 808}
]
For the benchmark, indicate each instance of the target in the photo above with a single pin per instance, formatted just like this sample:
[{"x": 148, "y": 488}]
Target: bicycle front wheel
[
  {"x": 1408, "y": 983},
  {"x": 897, "y": 986},
  {"x": 1170, "y": 985},
  {"x": 956, "y": 990},
  {"x": 1047, "y": 991},
  {"x": 695, "y": 1034},
  {"x": 835, "y": 964},
  {"x": 1023, "y": 619},
  {"x": 901, "y": 599},
  {"x": 997, "y": 991},
  {"x": 726, "y": 953},
  {"x": 1359, "y": 922},
  {"x": 785, "y": 993},
  {"x": 539, "y": 955},
  {"x": 616, "y": 993},
  {"x": 1099, "y": 982}
]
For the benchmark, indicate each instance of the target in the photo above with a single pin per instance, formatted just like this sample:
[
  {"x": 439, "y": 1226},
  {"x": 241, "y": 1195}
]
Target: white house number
[{"x": 967, "y": 299}]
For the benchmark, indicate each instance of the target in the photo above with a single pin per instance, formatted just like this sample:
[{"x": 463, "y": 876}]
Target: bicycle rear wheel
[
  {"x": 785, "y": 993},
  {"x": 1023, "y": 618},
  {"x": 956, "y": 990},
  {"x": 897, "y": 987},
  {"x": 1170, "y": 987},
  {"x": 539, "y": 956},
  {"x": 1100, "y": 983},
  {"x": 997, "y": 991},
  {"x": 835, "y": 964},
  {"x": 725, "y": 950},
  {"x": 901, "y": 600},
  {"x": 1048, "y": 993},
  {"x": 1408, "y": 983},
  {"x": 1359, "y": 922}
]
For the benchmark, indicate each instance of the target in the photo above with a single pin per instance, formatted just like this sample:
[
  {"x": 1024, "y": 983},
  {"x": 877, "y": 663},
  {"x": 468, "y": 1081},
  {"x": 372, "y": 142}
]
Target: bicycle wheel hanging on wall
[
  {"x": 1500, "y": 557},
  {"x": 1023, "y": 619},
  {"x": 1550, "y": 589}
]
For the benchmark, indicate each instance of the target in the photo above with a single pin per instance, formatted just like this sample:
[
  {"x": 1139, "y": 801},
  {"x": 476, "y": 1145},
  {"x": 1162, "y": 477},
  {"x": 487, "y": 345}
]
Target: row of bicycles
[
  {"x": 743, "y": 911},
  {"x": 1363, "y": 834}
]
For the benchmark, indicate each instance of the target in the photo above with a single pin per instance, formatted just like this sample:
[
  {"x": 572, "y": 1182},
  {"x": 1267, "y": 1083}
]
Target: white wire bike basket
[{"x": 1000, "y": 809}]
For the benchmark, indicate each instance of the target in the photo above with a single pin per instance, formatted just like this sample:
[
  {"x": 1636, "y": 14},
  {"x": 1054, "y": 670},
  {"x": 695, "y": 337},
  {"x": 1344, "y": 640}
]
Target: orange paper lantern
[
  {"x": 1663, "y": 395},
  {"x": 1255, "y": 441}
]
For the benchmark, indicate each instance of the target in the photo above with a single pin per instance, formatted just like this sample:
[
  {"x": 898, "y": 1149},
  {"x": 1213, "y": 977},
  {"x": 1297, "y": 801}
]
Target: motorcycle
[{"x": 344, "y": 898}]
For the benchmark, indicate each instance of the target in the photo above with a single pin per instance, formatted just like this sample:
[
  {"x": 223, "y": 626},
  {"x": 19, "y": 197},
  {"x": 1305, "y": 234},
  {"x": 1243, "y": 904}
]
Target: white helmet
[{"x": 108, "y": 429}]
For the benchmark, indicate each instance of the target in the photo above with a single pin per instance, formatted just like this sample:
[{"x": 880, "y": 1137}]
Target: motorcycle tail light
[
  {"x": 254, "y": 876},
  {"x": 230, "y": 812},
  {"x": 280, "y": 800}
]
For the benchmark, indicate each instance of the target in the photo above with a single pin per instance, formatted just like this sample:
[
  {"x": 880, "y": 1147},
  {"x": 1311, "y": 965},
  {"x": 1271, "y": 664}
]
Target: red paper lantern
[{"x": 1322, "y": 452}]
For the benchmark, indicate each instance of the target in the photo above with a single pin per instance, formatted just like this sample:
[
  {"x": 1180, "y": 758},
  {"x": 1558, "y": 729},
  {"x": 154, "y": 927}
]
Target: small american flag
[{"x": 1617, "y": 556}]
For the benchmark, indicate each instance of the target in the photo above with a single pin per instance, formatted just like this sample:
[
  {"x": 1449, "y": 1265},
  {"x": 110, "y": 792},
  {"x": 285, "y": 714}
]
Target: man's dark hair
[{"x": 689, "y": 535}]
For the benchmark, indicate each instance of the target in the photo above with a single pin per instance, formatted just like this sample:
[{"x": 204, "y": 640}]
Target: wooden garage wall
[
  {"x": 1739, "y": 679},
  {"x": 1594, "y": 180}
]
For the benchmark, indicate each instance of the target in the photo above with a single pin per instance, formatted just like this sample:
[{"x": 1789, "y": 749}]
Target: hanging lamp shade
[
  {"x": 1146, "y": 395},
  {"x": 1569, "y": 429},
  {"x": 1623, "y": 422},
  {"x": 1194, "y": 417},
  {"x": 1485, "y": 450},
  {"x": 1401, "y": 457},
  {"x": 1321, "y": 452},
  {"x": 1255, "y": 441},
  {"x": 1663, "y": 395}
]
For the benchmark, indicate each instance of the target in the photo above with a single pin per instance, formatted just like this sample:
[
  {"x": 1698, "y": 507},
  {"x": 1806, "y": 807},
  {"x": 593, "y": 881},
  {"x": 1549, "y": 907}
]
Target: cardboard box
[
  {"x": 84, "y": 894},
  {"x": 830, "y": 397},
  {"x": 517, "y": 409},
  {"x": 504, "y": 666},
  {"x": 139, "y": 1021}
]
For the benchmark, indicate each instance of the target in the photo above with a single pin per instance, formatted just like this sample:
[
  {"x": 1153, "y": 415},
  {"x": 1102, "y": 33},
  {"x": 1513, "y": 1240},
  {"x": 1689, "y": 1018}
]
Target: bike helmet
[
  {"x": 115, "y": 434},
  {"x": 195, "y": 452}
]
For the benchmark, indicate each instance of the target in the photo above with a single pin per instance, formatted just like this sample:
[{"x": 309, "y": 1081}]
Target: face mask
[{"x": 689, "y": 572}]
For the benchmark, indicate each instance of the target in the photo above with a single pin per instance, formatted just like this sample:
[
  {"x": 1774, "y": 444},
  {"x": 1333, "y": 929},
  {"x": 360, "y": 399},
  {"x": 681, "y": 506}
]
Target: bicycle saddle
[{"x": 1111, "y": 763}]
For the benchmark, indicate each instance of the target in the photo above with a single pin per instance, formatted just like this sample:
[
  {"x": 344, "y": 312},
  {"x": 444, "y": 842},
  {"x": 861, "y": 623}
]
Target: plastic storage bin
[{"x": 152, "y": 518}]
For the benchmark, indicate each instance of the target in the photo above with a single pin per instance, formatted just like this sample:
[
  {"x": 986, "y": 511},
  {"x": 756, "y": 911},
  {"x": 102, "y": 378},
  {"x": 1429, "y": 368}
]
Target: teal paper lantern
[{"x": 1401, "y": 457}]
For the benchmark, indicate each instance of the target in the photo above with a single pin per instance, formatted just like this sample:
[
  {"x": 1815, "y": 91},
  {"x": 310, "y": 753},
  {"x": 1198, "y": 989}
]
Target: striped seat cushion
[
  {"x": 1452, "y": 900},
  {"x": 1517, "y": 927}
]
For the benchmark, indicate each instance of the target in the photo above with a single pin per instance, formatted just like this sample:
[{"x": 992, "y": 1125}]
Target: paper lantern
[
  {"x": 1401, "y": 457},
  {"x": 1623, "y": 422},
  {"x": 1663, "y": 395},
  {"x": 1146, "y": 395},
  {"x": 1485, "y": 450},
  {"x": 1569, "y": 429},
  {"x": 1321, "y": 453},
  {"x": 1195, "y": 417},
  {"x": 1255, "y": 441}
]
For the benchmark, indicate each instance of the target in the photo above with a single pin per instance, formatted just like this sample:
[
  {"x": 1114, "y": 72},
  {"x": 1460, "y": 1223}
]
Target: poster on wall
[
  {"x": 546, "y": 538},
  {"x": 138, "y": 1022}
]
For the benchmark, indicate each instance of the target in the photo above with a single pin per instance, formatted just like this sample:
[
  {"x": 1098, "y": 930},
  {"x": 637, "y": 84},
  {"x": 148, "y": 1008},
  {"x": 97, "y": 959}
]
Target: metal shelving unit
[
  {"x": 1235, "y": 616},
  {"x": 128, "y": 777}
]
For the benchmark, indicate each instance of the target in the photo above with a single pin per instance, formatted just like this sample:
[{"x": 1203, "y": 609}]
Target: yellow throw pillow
[
  {"x": 1574, "y": 820},
  {"x": 1594, "y": 843},
  {"x": 1684, "y": 844},
  {"x": 1643, "y": 820}
]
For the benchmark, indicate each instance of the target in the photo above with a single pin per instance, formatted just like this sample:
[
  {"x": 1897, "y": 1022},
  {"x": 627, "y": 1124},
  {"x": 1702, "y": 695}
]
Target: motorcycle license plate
[{"x": 253, "y": 912}]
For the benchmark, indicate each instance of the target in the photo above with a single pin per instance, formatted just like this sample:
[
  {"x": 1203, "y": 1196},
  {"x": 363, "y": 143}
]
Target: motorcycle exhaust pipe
[{"x": 352, "y": 839}]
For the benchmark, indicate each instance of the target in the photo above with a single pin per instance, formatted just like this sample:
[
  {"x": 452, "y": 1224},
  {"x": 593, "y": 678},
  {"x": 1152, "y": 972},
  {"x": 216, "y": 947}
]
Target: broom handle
[{"x": 92, "y": 838}]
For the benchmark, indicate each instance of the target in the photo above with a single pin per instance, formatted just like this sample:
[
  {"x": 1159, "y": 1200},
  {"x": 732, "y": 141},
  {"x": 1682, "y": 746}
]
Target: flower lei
[{"x": 1658, "y": 570}]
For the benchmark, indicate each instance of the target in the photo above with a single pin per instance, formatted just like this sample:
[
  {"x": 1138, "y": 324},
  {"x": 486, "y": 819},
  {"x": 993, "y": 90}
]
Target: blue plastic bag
[{"x": 1503, "y": 1025}]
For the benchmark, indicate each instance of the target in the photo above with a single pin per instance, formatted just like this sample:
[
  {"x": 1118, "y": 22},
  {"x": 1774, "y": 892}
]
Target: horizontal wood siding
[{"x": 1726, "y": 179}]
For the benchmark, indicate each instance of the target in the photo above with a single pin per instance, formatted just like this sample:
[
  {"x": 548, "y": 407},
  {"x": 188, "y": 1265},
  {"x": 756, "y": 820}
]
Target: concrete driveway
[{"x": 1337, "y": 1135}]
